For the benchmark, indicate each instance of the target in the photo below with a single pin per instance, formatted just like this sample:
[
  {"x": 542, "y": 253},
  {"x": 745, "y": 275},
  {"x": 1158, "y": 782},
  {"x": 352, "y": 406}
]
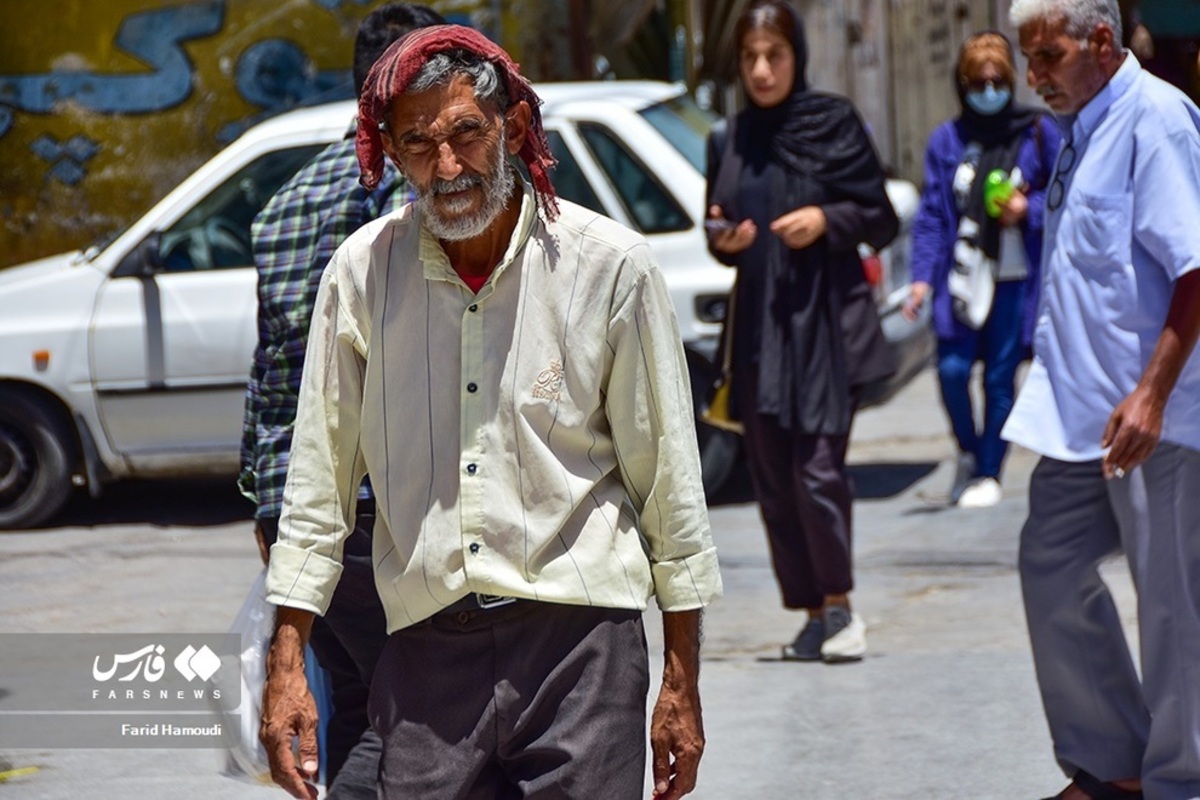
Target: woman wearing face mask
[
  {"x": 798, "y": 176},
  {"x": 981, "y": 265}
]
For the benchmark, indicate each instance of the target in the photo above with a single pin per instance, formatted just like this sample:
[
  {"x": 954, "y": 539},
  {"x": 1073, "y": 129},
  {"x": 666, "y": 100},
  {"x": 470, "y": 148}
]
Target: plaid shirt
[{"x": 294, "y": 237}]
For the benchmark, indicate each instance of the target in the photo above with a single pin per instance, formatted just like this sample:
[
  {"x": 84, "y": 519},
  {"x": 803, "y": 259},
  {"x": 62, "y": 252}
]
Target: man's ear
[
  {"x": 1108, "y": 49},
  {"x": 516, "y": 126}
]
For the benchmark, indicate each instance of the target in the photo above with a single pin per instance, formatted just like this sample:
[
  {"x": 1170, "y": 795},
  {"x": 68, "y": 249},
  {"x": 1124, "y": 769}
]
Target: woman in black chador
[{"x": 798, "y": 177}]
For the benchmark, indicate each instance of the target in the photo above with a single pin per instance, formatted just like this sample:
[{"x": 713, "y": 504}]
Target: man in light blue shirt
[{"x": 1112, "y": 403}]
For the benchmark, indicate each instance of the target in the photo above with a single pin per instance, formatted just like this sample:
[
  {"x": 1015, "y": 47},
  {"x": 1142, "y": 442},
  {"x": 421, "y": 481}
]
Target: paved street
[{"x": 945, "y": 705}]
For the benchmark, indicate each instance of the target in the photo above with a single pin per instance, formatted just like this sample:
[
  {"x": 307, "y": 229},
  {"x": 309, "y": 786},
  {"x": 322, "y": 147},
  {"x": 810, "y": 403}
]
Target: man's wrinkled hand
[
  {"x": 676, "y": 741},
  {"x": 1133, "y": 431},
  {"x": 288, "y": 712}
]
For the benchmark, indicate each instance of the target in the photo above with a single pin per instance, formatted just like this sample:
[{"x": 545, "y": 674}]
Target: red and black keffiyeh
[{"x": 396, "y": 68}]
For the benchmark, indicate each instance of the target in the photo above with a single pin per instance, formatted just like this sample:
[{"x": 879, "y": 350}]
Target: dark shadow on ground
[
  {"x": 884, "y": 479},
  {"x": 873, "y": 481},
  {"x": 200, "y": 503},
  {"x": 192, "y": 502},
  {"x": 931, "y": 507}
]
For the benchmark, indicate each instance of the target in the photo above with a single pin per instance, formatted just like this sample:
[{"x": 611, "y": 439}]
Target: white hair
[
  {"x": 1082, "y": 16},
  {"x": 441, "y": 67}
]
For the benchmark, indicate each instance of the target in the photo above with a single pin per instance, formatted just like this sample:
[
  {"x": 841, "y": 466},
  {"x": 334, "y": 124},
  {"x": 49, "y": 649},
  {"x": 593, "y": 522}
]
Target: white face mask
[{"x": 989, "y": 100}]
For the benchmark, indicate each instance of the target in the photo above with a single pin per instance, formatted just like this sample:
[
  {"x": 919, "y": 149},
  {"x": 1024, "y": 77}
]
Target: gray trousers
[
  {"x": 530, "y": 700},
  {"x": 1102, "y": 718}
]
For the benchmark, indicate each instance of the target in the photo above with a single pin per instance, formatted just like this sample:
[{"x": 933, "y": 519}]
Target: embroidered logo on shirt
[{"x": 549, "y": 381}]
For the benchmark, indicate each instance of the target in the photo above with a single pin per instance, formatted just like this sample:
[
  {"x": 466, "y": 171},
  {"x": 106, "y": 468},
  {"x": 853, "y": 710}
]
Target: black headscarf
[
  {"x": 819, "y": 135},
  {"x": 1000, "y": 136}
]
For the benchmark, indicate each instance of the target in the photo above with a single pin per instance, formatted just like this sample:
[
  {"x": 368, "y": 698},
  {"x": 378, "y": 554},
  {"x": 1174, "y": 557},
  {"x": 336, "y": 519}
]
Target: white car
[{"x": 130, "y": 358}]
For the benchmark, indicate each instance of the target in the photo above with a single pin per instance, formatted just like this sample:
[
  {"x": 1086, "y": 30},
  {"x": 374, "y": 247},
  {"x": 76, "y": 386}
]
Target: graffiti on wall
[
  {"x": 275, "y": 75},
  {"x": 155, "y": 38},
  {"x": 272, "y": 74},
  {"x": 96, "y": 126}
]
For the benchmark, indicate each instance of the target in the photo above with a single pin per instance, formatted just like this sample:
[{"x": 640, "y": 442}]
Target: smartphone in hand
[{"x": 718, "y": 225}]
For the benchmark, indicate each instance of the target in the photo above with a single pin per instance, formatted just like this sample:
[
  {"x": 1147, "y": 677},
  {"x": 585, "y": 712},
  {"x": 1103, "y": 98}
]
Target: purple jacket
[{"x": 936, "y": 225}]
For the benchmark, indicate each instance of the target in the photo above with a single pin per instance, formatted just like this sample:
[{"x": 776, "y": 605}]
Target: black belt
[
  {"x": 464, "y": 610},
  {"x": 478, "y": 602}
]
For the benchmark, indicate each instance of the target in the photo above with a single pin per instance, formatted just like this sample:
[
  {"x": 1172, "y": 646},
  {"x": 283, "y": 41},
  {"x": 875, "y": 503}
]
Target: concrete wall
[{"x": 895, "y": 59}]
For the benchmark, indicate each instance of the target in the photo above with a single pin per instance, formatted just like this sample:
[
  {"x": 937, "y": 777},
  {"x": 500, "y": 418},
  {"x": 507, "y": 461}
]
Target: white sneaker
[
  {"x": 964, "y": 473},
  {"x": 983, "y": 493},
  {"x": 847, "y": 639}
]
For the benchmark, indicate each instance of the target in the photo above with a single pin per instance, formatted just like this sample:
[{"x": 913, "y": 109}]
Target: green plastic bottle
[{"x": 997, "y": 188}]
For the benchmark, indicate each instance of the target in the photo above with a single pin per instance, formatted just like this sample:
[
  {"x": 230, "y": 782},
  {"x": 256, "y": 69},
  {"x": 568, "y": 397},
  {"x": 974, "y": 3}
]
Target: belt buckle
[{"x": 487, "y": 601}]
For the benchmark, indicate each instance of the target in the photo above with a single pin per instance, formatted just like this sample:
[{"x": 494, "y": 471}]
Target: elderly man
[
  {"x": 294, "y": 237},
  {"x": 508, "y": 370},
  {"x": 1112, "y": 403}
]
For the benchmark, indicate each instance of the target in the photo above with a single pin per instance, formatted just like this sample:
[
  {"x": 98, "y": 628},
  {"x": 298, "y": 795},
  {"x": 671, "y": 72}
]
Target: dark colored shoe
[
  {"x": 807, "y": 644},
  {"x": 1097, "y": 789}
]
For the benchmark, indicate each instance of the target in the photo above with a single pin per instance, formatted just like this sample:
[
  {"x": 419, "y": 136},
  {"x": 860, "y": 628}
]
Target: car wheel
[
  {"x": 35, "y": 475},
  {"x": 718, "y": 457},
  {"x": 719, "y": 450}
]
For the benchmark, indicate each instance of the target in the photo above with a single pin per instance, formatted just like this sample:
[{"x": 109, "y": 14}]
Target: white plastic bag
[
  {"x": 972, "y": 278},
  {"x": 245, "y": 757}
]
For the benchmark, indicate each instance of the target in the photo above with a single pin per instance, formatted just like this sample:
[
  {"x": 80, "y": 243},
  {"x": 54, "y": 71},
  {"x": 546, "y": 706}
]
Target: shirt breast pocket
[{"x": 1102, "y": 239}]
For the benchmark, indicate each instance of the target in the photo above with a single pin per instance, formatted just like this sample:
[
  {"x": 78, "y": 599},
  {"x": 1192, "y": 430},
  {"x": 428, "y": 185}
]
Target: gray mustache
[{"x": 459, "y": 184}]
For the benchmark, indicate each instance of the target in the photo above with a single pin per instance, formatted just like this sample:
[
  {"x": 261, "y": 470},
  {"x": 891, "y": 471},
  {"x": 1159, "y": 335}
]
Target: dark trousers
[
  {"x": 998, "y": 345},
  {"x": 805, "y": 495},
  {"x": 347, "y": 642},
  {"x": 529, "y": 700}
]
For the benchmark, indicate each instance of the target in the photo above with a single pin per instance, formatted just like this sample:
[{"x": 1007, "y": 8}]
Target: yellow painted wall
[{"x": 106, "y": 106}]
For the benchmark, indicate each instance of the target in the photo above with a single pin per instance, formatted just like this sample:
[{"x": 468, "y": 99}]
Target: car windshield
[{"x": 684, "y": 124}]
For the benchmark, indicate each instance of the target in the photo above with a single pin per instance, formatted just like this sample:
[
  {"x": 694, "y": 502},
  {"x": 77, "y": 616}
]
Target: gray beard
[{"x": 497, "y": 187}]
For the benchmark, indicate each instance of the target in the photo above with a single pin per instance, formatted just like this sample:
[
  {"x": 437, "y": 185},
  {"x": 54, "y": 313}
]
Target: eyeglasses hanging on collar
[{"x": 1058, "y": 187}]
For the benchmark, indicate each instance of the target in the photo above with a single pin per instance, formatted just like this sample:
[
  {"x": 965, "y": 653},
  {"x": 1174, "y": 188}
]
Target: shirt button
[
  {"x": 471, "y": 469},
  {"x": 474, "y": 548},
  {"x": 473, "y": 308},
  {"x": 472, "y": 388}
]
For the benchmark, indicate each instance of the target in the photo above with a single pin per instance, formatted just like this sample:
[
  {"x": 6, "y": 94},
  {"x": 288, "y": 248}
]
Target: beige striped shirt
[{"x": 535, "y": 440}]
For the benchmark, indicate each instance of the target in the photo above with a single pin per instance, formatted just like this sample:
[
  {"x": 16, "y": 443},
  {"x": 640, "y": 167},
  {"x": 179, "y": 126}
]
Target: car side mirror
[{"x": 143, "y": 261}]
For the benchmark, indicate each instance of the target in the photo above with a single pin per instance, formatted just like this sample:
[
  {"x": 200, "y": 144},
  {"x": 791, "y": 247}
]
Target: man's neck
[
  {"x": 480, "y": 255},
  {"x": 1109, "y": 70},
  {"x": 1116, "y": 64}
]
